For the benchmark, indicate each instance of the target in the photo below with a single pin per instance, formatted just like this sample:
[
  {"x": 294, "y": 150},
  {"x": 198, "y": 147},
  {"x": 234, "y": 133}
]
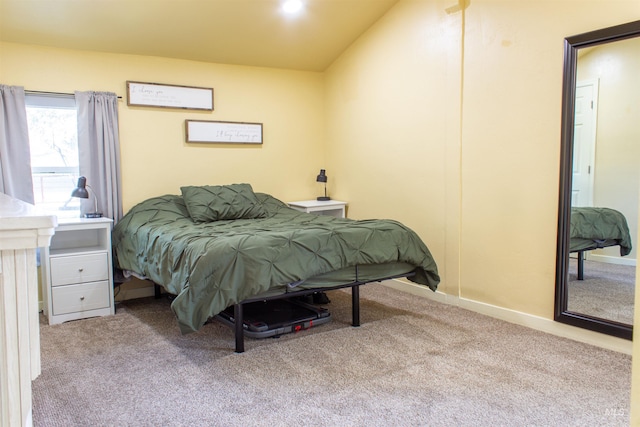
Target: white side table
[
  {"x": 329, "y": 207},
  {"x": 77, "y": 270}
]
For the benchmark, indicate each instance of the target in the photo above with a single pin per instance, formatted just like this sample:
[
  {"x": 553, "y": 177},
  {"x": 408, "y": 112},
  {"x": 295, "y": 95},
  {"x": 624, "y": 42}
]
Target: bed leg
[
  {"x": 355, "y": 305},
  {"x": 239, "y": 329},
  {"x": 580, "y": 265},
  {"x": 157, "y": 291}
]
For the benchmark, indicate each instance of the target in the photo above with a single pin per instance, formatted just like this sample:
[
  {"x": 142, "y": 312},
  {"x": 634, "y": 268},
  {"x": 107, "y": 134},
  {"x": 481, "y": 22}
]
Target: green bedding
[
  {"x": 593, "y": 228},
  {"x": 212, "y": 265}
]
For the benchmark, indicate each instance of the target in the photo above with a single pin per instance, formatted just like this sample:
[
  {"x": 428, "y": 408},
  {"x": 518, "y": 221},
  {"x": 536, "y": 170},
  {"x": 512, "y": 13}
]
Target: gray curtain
[
  {"x": 15, "y": 156},
  {"x": 99, "y": 151}
]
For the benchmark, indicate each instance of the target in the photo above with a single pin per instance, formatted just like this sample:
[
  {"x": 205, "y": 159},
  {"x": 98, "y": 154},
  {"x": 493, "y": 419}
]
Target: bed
[
  {"x": 219, "y": 246},
  {"x": 596, "y": 228}
]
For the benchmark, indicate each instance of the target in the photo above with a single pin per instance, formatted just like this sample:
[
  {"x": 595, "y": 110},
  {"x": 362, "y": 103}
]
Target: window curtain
[
  {"x": 99, "y": 151},
  {"x": 15, "y": 156}
]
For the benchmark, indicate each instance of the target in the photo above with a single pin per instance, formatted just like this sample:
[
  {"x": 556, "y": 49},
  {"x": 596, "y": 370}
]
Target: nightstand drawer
[
  {"x": 76, "y": 298},
  {"x": 79, "y": 269}
]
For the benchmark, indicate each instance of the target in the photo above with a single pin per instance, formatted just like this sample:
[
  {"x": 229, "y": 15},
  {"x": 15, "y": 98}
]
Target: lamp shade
[
  {"x": 81, "y": 190},
  {"x": 322, "y": 177}
]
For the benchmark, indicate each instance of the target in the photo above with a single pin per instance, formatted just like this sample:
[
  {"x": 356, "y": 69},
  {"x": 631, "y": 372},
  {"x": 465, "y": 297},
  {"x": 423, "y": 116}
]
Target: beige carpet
[
  {"x": 413, "y": 362},
  {"x": 607, "y": 291}
]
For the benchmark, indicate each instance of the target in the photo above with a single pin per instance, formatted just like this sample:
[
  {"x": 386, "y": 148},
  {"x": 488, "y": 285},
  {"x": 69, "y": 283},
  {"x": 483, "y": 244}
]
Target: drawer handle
[
  {"x": 81, "y": 270},
  {"x": 81, "y": 298}
]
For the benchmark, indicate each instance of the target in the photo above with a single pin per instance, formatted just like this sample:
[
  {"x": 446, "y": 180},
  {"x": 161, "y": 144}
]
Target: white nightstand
[
  {"x": 77, "y": 275},
  {"x": 329, "y": 207}
]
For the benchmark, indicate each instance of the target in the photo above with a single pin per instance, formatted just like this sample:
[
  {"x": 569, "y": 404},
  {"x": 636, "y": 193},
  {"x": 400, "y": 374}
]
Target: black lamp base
[
  {"x": 93, "y": 215},
  {"x": 323, "y": 198}
]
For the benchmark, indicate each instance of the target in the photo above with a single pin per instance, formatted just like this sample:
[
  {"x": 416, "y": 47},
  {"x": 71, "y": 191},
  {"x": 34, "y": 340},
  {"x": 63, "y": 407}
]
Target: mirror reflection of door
[
  {"x": 584, "y": 143},
  {"x": 607, "y": 112}
]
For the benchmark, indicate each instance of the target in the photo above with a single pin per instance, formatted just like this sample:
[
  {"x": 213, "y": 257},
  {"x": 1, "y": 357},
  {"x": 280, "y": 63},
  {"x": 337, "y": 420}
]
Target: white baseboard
[
  {"x": 612, "y": 259},
  {"x": 524, "y": 319}
]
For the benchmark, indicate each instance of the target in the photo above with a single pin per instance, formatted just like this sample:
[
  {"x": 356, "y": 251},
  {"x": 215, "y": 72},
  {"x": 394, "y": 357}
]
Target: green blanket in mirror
[{"x": 589, "y": 225}]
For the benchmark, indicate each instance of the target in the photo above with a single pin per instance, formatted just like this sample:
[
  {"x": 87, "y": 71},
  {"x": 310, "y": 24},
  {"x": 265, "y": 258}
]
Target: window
[{"x": 53, "y": 141}]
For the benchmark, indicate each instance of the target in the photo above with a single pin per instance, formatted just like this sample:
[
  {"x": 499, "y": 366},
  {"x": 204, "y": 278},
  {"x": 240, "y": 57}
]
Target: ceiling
[{"x": 243, "y": 32}]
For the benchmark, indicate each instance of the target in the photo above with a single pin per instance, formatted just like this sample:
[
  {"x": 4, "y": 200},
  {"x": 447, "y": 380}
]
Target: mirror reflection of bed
[{"x": 601, "y": 282}]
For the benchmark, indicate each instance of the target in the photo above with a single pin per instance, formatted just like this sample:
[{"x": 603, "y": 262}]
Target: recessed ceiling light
[{"x": 291, "y": 7}]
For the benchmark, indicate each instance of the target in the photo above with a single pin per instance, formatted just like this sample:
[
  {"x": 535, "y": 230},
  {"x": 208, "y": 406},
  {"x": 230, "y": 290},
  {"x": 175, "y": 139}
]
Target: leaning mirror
[{"x": 599, "y": 180}]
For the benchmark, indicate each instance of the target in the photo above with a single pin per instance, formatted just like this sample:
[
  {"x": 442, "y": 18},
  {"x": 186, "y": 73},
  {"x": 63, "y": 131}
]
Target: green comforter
[
  {"x": 593, "y": 228},
  {"x": 212, "y": 265}
]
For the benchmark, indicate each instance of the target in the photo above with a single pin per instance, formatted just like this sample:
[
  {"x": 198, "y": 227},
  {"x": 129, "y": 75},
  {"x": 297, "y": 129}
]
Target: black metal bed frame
[
  {"x": 355, "y": 302},
  {"x": 581, "y": 253}
]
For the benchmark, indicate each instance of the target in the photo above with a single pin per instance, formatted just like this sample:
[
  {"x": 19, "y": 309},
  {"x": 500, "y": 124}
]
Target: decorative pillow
[{"x": 216, "y": 202}]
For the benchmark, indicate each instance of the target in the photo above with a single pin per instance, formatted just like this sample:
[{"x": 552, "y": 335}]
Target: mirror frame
[{"x": 571, "y": 46}]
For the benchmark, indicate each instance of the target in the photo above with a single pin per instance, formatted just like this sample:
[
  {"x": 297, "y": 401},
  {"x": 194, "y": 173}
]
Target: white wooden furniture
[
  {"x": 329, "y": 207},
  {"x": 76, "y": 271},
  {"x": 22, "y": 230}
]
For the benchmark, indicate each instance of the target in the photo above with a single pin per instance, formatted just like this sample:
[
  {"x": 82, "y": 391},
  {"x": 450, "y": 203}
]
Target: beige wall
[
  {"x": 393, "y": 126},
  {"x": 635, "y": 368},
  {"x": 461, "y": 140},
  {"x": 477, "y": 178},
  {"x": 155, "y": 157}
]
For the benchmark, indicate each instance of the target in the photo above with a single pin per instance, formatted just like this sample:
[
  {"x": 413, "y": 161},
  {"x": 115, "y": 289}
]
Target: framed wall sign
[
  {"x": 223, "y": 132},
  {"x": 169, "y": 96}
]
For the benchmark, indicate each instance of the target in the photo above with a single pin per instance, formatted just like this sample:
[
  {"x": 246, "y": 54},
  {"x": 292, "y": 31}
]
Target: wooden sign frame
[
  {"x": 169, "y": 96},
  {"x": 223, "y": 132}
]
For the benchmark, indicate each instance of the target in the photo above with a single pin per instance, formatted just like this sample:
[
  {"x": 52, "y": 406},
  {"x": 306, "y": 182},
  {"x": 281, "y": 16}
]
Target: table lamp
[
  {"x": 81, "y": 191},
  {"x": 323, "y": 178}
]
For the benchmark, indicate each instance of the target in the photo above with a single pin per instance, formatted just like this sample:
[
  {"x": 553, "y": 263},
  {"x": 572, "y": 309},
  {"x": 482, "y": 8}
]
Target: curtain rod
[{"x": 53, "y": 93}]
